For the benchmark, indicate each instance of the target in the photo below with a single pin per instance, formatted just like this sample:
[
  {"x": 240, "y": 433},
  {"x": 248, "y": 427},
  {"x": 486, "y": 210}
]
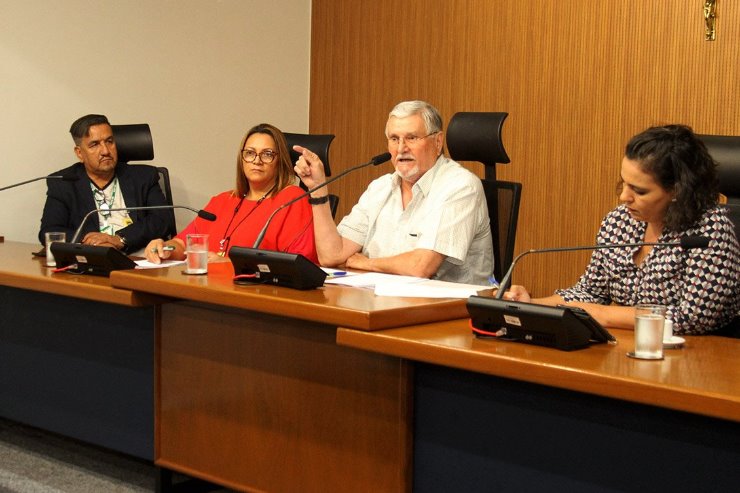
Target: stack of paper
[{"x": 408, "y": 286}]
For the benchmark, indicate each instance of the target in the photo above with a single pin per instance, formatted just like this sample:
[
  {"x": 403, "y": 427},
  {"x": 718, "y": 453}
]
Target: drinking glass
[
  {"x": 649, "y": 320},
  {"x": 50, "y": 238},
  {"x": 196, "y": 249}
]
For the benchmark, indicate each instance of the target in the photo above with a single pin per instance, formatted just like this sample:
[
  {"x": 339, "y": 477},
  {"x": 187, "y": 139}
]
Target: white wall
[{"x": 199, "y": 72}]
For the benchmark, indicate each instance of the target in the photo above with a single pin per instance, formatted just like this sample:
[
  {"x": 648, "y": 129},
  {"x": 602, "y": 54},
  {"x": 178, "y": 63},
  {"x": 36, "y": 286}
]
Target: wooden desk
[
  {"x": 76, "y": 355},
  {"x": 531, "y": 418},
  {"x": 701, "y": 378},
  {"x": 20, "y": 269},
  {"x": 253, "y": 392},
  {"x": 334, "y": 305}
]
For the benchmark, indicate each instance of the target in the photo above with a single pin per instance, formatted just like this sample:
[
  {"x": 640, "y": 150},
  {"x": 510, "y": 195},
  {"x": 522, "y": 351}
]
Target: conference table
[
  {"x": 274, "y": 389},
  {"x": 267, "y": 388},
  {"x": 76, "y": 355},
  {"x": 252, "y": 391},
  {"x": 494, "y": 415}
]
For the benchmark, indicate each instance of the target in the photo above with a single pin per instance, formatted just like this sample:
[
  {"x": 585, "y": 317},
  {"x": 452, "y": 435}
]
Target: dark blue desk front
[
  {"x": 480, "y": 433},
  {"x": 501, "y": 416},
  {"x": 82, "y": 366}
]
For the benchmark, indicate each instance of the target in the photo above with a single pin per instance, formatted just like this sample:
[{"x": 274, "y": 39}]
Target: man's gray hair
[{"x": 430, "y": 115}]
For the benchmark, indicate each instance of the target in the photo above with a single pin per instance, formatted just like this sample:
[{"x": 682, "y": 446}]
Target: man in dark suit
[{"x": 101, "y": 182}]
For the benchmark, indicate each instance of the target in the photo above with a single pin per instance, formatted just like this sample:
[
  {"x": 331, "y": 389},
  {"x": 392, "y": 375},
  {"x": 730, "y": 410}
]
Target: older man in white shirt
[{"x": 427, "y": 219}]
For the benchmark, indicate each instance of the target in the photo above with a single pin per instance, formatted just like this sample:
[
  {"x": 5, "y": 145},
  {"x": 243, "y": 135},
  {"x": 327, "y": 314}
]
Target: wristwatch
[
  {"x": 318, "y": 200},
  {"x": 122, "y": 240}
]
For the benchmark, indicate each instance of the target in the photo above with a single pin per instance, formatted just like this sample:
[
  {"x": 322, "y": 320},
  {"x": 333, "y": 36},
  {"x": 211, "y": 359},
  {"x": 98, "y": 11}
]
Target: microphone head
[
  {"x": 688, "y": 242},
  {"x": 381, "y": 158},
  {"x": 208, "y": 216}
]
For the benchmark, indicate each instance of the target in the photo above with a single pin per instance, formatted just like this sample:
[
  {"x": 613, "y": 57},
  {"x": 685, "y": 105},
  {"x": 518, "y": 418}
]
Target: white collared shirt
[{"x": 447, "y": 214}]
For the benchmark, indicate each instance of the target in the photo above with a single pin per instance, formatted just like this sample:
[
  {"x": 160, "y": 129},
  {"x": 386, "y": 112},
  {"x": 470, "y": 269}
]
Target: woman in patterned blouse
[{"x": 668, "y": 190}]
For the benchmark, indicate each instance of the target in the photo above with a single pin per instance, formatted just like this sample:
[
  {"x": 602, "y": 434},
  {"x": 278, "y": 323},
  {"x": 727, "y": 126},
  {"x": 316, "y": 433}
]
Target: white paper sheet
[
  {"x": 145, "y": 264},
  {"x": 370, "y": 279},
  {"x": 403, "y": 286},
  {"x": 429, "y": 289}
]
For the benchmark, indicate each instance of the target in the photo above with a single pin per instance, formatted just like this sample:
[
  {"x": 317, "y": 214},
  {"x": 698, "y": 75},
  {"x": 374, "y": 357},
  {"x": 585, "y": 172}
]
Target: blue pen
[
  {"x": 338, "y": 273},
  {"x": 493, "y": 282}
]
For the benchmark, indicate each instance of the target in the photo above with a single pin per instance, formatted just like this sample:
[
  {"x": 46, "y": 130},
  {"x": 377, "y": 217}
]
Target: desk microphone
[
  {"x": 49, "y": 177},
  {"x": 208, "y": 216},
  {"x": 379, "y": 159},
  {"x": 686, "y": 242}
]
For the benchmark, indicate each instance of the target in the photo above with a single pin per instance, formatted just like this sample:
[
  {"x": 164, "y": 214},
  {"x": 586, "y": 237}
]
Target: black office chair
[
  {"x": 725, "y": 149},
  {"x": 134, "y": 143},
  {"x": 318, "y": 143},
  {"x": 476, "y": 136}
]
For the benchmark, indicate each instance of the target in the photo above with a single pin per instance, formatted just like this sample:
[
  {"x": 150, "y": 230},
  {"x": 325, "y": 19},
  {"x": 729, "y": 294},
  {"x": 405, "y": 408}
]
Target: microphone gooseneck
[
  {"x": 208, "y": 216},
  {"x": 48, "y": 177},
  {"x": 686, "y": 242},
  {"x": 376, "y": 160}
]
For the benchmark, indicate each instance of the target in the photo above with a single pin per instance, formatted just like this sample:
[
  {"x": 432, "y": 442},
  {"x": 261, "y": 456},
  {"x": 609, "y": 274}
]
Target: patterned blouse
[{"x": 700, "y": 287}]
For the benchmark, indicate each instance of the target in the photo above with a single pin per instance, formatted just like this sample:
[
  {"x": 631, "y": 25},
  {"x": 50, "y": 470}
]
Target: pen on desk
[
  {"x": 166, "y": 248},
  {"x": 338, "y": 273}
]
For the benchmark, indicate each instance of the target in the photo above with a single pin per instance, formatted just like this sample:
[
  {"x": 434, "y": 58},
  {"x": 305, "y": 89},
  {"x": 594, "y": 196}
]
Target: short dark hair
[
  {"x": 680, "y": 163},
  {"x": 284, "y": 169},
  {"x": 81, "y": 127}
]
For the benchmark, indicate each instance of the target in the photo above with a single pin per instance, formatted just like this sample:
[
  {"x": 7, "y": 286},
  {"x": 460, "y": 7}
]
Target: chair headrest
[
  {"x": 725, "y": 149},
  {"x": 476, "y": 136},
  {"x": 133, "y": 142},
  {"x": 318, "y": 143}
]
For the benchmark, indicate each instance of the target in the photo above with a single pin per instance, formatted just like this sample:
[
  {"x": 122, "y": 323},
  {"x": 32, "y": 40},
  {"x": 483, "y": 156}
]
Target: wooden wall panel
[{"x": 578, "y": 79}]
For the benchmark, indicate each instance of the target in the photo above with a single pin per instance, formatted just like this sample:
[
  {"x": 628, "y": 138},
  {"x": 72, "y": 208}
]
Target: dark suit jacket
[{"x": 67, "y": 203}]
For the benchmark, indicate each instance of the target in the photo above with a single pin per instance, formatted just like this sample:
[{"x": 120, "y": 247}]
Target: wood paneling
[
  {"x": 262, "y": 402},
  {"x": 578, "y": 79}
]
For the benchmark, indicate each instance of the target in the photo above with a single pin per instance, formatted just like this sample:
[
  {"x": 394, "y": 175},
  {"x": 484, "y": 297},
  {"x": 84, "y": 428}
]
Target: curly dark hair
[{"x": 681, "y": 164}]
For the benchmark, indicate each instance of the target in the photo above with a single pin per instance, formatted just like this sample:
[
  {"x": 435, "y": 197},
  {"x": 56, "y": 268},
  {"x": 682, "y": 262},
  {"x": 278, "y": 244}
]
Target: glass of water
[
  {"x": 196, "y": 249},
  {"x": 50, "y": 238},
  {"x": 649, "y": 320}
]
